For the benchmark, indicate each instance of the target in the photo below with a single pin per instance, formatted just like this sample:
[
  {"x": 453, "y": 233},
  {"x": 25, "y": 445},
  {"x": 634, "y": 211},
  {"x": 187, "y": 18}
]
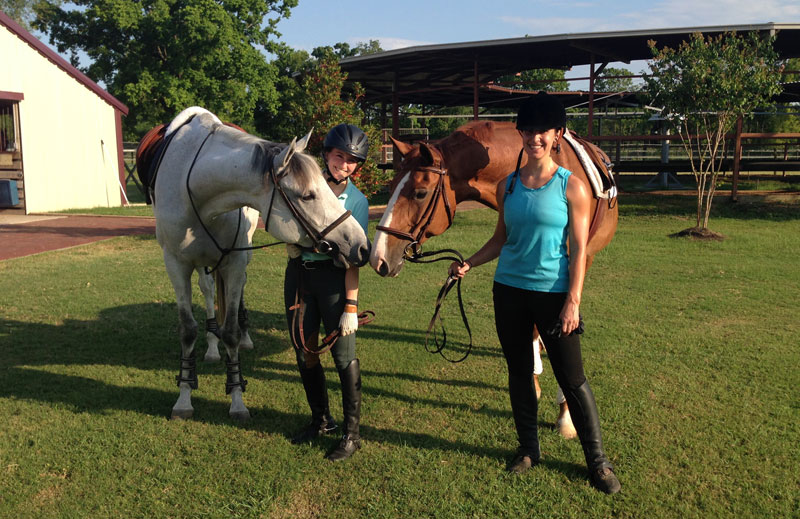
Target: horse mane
[{"x": 302, "y": 167}]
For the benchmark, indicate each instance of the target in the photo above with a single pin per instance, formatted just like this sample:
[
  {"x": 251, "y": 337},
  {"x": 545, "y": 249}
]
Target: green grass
[{"x": 691, "y": 350}]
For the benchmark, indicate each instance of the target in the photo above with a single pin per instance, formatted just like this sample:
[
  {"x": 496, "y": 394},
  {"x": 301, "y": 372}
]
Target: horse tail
[{"x": 222, "y": 303}]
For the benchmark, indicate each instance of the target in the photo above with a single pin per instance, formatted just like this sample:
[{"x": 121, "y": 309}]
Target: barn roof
[
  {"x": 60, "y": 62},
  {"x": 445, "y": 74}
]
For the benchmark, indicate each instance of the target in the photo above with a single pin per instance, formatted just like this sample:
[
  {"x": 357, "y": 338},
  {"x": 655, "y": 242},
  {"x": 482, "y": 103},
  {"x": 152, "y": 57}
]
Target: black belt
[{"x": 315, "y": 264}]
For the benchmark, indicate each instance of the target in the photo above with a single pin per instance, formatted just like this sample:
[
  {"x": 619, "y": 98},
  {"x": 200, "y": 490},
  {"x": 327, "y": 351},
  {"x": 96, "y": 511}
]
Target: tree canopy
[
  {"x": 160, "y": 56},
  {"x": 704, "y": 86}
]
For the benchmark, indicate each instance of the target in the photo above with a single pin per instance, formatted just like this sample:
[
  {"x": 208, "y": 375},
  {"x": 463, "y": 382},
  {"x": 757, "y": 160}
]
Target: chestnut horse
[{"x": 467, "y": 165}]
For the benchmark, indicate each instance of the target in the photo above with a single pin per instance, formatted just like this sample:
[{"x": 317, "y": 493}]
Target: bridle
[
  {"x": 417, "y": 233},
  {"x": 318, "y": 237},
  {"x": 413, "y": 253}
]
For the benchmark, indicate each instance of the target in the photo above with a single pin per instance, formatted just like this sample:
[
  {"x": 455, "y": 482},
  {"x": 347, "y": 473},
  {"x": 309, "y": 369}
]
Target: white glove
[
  {"x": 293, "y": 250},
  {"x": 348, "y": 323}
]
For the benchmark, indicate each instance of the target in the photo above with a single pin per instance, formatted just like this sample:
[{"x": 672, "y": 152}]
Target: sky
[{"x": 408, "y": 23}]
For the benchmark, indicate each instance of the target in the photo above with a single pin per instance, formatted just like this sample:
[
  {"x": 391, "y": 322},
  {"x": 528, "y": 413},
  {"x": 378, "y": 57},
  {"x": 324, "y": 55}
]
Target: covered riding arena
[
  {"x": 466, "y": 74},
  {"x": 60, "y": 132}
]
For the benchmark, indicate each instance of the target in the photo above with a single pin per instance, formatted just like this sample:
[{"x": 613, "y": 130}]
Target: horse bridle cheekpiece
[
  {"x": 413, "y": 250},
  {"x": 320, "y": 244}
]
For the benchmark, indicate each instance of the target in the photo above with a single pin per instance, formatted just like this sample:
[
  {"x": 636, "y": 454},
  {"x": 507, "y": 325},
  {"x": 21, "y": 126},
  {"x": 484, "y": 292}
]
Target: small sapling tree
[{"x": 704, "y": 86}]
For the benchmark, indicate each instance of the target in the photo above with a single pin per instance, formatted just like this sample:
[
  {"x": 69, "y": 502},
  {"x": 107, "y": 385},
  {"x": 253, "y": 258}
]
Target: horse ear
[
  {"x": 430, "y": 155},
  {"x": 403, "y": 147},
  {"x": 302, "y": 143},
  {"x": 285, "y": 155}
]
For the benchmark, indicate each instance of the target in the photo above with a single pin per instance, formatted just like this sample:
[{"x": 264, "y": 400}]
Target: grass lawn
[{"x": 691, "y": 349}]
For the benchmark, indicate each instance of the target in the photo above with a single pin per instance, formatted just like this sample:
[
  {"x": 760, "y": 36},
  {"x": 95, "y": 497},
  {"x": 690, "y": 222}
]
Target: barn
[{"x": 60, "y": 132}]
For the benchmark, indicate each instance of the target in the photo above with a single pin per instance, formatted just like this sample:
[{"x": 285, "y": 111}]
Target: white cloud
[
  {"x": 388, "y": 43},
  {"x": 663, "y": 14}
]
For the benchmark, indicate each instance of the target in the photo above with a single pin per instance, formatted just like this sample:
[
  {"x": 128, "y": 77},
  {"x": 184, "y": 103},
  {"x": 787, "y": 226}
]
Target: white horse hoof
[
  {"x": 565, "y": 427},
  {"x": 181, "y": 414},
  {"x": 211, "y": 356},
  {"x": 240, "y": 416},
  {"x": 246, "y": 343}
]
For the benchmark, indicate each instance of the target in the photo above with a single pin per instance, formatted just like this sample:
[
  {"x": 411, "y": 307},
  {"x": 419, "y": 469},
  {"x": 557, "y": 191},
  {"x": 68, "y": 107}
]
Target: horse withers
[
  {"x": 207, "y": 174},
  {"x": 434, "y": 177}
]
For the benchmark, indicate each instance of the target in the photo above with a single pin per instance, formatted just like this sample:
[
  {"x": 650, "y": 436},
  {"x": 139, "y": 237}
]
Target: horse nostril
[{"x": 383, "y": 268}]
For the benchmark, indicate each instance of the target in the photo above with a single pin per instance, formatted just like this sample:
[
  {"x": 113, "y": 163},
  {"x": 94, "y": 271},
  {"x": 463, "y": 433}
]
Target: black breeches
[
  {"x": 322, "y": 291},
  {"x": 516, "y": 311}
]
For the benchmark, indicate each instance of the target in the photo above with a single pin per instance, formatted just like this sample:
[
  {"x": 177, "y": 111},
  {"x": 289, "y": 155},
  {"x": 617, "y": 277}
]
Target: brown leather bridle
[{"x": 417, "y": 232}]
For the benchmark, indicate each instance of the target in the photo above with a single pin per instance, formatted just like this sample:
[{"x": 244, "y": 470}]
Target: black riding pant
[
  {"x": 321, "y": 288},
  {"x": 516, "y": 311}
]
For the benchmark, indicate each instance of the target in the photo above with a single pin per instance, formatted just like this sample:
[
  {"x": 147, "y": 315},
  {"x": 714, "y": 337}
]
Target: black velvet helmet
[
  {"x": 541, "y": 112},
  {"x": 348, "y": 138}
]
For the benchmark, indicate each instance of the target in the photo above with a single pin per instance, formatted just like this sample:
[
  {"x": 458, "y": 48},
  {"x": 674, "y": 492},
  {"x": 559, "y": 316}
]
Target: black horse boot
[
  {"x": 583, "y": 409},
  {"x": 525, "y": 408},
  {"x": 317, "y": 395},
  {"x": 351, "y": 404}
]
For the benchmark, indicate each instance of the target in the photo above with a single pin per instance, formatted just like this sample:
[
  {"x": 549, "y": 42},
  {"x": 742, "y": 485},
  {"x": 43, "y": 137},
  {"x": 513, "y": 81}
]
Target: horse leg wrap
[
  {"x": 234, "y": 372},
  {"x": 213, "y": 327},
  {"x": 189, "y": 364}
]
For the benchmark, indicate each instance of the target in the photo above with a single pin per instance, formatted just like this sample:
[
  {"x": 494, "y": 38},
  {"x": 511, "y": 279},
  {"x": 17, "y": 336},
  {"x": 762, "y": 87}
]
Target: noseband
[{"x": 418, "y": 231}]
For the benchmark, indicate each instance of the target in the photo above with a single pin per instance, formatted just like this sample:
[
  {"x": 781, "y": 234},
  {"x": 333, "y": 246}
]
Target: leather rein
[
  {"x": 413, "y": 253},
  {"x": 320, "y": 244}
]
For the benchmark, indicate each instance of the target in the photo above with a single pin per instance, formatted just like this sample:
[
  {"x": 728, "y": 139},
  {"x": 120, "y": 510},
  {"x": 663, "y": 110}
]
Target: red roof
[{"x": 60, "y": 62}]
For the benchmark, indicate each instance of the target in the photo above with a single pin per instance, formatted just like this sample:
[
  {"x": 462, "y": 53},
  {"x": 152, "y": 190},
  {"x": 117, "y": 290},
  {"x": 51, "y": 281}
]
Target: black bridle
[
  {"x": 318, "y": 237},
  {"x": 413, "y": 253}
]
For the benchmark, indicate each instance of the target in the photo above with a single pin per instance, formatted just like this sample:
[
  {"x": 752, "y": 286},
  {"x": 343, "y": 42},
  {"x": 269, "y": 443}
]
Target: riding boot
[
  {"x": 317, "y": 395},
  {"x": 351, "y": 404},
  {"x": 525, "y": 408},
  {"x": 583, "y": 409}
]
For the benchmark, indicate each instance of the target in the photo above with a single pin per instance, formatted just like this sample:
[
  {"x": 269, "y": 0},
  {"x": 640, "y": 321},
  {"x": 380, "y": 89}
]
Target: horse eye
[
  {"x": 308, "y": 197},
  {"x": 420, "y": 194}
]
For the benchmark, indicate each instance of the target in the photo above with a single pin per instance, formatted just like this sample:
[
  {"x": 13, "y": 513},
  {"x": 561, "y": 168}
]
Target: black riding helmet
[
  {"x": 541, "y": 112},
  {"x": 348, "y": 138}
]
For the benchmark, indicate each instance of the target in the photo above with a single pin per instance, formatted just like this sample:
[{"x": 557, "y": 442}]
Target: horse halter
[{"x": 418, "y": 231}]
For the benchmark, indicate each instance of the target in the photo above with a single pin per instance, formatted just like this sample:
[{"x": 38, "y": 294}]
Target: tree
[
  {"x": 322, "y": 106},
  {"x": 21, "y": 11},
  {"x": 551, "y": 80},
  {"x": 160, "y": 56},
  {"x": 704, "y": 86},
  {"x": 609, "y": 81}
]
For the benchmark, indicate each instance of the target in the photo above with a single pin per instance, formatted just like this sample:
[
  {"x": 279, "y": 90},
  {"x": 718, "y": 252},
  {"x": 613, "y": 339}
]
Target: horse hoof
[
  {"x": 212, "y": 357},
  {"x": 240, "y": 416},
  {"x": 181, "y": 414},
  {"x": 566, "y": 429}
]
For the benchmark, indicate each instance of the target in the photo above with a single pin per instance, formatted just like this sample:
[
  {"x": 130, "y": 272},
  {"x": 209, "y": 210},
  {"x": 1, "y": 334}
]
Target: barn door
[{"x": 12, "y": 185}]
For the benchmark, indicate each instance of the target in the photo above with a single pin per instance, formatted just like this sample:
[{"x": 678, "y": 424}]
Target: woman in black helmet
[
  {"x": 543, "y": 209},
  {"x": 330, "y": 293}
]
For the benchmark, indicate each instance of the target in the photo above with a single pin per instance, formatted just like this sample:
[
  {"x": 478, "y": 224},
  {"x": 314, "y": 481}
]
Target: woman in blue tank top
[{"x": 544, "y": 212}]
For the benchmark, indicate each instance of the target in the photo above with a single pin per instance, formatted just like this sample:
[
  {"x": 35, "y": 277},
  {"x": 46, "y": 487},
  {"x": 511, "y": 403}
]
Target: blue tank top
[{"x": 534, "y": 256}]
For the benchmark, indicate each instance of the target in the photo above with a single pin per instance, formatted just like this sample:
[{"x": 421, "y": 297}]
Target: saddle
[
  {"x": 149, "y": 153},
  {"x": 598, "y": 171}
]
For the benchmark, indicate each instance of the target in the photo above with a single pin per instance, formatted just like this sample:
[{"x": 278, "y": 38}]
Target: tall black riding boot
[
  {"x": 351, "y": 404},
  {"x": 583, "y": 409},
  {"x": 525, "y": 408},
  {"x": 317, "y": 395}
]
